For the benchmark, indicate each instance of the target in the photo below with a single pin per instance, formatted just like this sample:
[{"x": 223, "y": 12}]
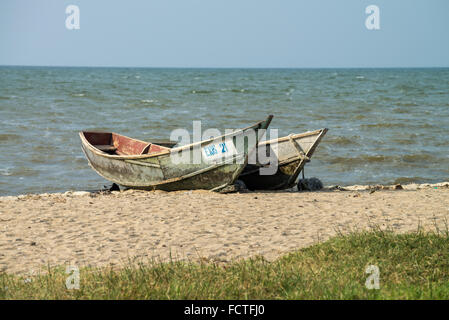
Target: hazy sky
[{"x": 225, "y": 33}]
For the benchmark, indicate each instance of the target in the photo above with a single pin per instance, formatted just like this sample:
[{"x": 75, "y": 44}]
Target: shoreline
[
  {"x": 112, "y": 228},
  {"x": 355, "y": 187}
]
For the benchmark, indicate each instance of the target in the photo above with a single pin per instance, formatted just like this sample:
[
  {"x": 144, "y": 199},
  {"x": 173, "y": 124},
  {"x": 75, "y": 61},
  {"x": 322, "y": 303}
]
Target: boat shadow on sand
[{"x": 307, "y": 184}]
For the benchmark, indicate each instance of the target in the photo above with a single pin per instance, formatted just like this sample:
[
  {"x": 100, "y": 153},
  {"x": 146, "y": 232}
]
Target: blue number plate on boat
[{"x": 218, "y": 150}]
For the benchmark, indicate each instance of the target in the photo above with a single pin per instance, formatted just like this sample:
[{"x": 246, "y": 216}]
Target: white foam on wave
[{"x": 5, "y": 172}]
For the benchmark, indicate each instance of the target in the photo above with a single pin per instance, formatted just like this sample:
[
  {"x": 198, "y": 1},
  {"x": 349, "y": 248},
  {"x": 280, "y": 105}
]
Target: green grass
[{"x": 412, "y": 266}]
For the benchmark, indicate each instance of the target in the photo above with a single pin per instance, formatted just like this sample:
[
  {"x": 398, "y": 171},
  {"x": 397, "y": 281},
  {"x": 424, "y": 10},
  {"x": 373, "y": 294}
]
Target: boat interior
[{"x": 116, "y": 144}]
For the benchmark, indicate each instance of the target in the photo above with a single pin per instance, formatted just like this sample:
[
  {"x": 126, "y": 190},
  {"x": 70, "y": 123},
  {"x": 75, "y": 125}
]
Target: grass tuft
[{"x": 412, "y": 266}]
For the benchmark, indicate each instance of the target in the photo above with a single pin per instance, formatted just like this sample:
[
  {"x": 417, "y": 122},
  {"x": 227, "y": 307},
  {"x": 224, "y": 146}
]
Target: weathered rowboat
[
  {"x": 144, "y": 165},
  {"x": 292, "y": 153}
]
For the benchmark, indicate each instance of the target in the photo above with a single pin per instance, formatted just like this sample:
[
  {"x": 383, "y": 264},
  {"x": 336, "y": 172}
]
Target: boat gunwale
[
  {"x": 295, "y": 136},
  {"x": 98, "y": 152}
]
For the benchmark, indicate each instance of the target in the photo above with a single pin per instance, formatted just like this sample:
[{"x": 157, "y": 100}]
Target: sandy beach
[{"x": 81, "y": 228}]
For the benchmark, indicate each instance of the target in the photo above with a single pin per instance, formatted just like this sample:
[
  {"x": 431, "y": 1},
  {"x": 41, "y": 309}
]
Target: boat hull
[
  {"x": 292, "y": 153},
  {"x": 160, "y": 172}
]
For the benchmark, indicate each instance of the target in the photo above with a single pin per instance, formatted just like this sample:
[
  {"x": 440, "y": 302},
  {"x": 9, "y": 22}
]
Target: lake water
[{"x": 385, "y": 125}]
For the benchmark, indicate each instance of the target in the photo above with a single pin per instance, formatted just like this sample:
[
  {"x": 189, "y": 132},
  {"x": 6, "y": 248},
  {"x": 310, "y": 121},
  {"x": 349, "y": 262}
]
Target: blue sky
[{"x": 225, "y": 33}]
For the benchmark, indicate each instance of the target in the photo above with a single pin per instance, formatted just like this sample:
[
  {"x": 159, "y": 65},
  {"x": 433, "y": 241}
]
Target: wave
[
  {"x": 405, "y": 104},
  {"x": 10, "y": 137},
  {"x": 235, "y": 90},
  {"x": 361, "y": 160},
  {"x": 406, "y": 87},
  {"x": 202, "y": 91},
  {"x": 342, "y": 141},
  {"x": 5, "y": 172},
  {"x": 401, "y": 110},
  {"x": 18, "y": 172},
  {"x": 420, "y": 157},
  {"x": 395, "y": 125},
  {"x": 398, "y": 159},
  {"x": 138, "y": 103},
  {"x": 441, "y": 143},
  {"x": 61, "y": 82},
  {"x": 403, "y": 141}
]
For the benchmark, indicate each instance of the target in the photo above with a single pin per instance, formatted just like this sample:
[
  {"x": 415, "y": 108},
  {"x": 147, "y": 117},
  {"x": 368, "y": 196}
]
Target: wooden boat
[
  {"x": 144, "y": 165},
  {"x": 292, "y": 153}
]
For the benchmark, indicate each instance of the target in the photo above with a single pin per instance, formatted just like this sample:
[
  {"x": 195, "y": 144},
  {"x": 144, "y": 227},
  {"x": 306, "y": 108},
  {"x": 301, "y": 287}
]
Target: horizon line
[{"x": 273, "y": 68}]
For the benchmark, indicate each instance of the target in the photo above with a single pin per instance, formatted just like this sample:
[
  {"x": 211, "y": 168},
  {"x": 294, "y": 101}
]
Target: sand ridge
[{"x": 81, "y": 228}]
